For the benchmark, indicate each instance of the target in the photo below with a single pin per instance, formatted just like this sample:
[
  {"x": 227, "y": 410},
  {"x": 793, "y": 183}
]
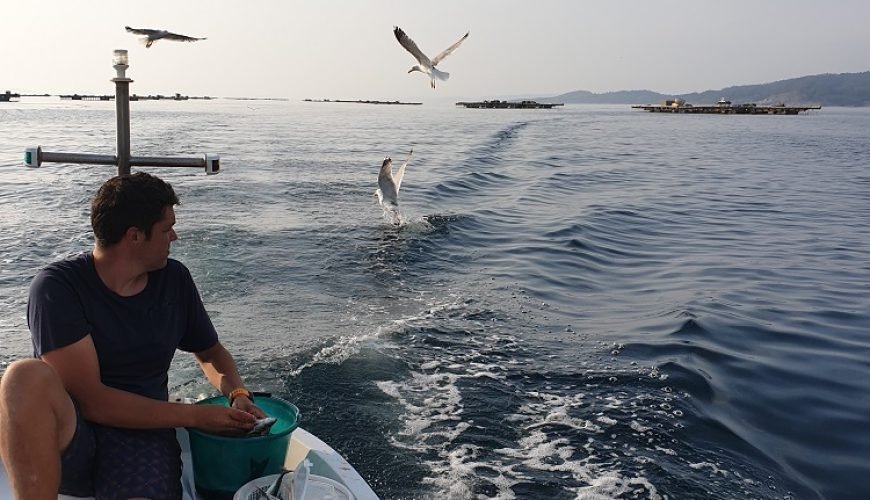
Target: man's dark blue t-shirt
[{"x": 135, "y": 337}]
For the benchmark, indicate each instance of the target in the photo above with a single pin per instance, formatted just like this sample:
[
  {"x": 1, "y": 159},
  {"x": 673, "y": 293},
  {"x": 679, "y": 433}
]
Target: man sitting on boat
[{"x": 90, "y": 416}]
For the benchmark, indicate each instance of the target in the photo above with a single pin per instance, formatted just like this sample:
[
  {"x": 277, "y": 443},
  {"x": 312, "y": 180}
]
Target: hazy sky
[{"x": 346, "y": 49}]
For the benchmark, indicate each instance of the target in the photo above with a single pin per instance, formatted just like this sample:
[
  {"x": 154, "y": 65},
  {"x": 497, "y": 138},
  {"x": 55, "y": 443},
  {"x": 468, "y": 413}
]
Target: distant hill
[{"x": 844, "y": 89}]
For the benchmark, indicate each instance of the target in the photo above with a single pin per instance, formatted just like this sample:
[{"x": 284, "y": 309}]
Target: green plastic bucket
[{"x": 222, "y": 465}]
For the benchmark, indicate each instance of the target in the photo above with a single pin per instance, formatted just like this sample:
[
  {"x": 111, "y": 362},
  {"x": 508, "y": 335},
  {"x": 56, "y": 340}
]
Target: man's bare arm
[
  {"x": 78, "y": 367},
  {"x": 221, "y": 370}
]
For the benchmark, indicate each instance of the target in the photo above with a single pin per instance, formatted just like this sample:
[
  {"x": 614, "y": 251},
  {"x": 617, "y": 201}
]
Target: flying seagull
[
  {"x": 388, "y": 183},
  {"x": 424, "y": 64},
  {"x": 152, "y": 36}
]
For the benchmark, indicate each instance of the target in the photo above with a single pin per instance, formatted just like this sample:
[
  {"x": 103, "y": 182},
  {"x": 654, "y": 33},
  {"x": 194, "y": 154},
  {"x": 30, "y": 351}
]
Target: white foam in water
[
  {"x": 344, "y": 348},
  {"x": 413, "y": 224},
  {"x": 638, "y": 427},
  {"x": 666, "y": 451},
  {"x": 433, "y": 421},
  {"x": 349, "y": 345},
  {"x": 434, "y": 418},
  {"x": 707, "y": 465},
  {"x": 441, "y": 402},
  {"x": 554, "y": 409},
  {"x": 537, "y": 450},
  {"x": 393, "y": 216},
  {"x": 605, "y": 420}
]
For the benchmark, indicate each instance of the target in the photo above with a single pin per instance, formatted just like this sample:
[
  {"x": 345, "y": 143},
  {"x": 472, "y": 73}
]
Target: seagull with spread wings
[
  {"x": 424, "y": 64},
  {"x": 389, "y": 183},
  {"x": 152, "y": 36}
]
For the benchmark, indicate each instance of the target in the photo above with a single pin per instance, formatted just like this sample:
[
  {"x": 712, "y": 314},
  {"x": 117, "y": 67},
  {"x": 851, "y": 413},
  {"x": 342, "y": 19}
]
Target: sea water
[{"x": 584, "y": 302}]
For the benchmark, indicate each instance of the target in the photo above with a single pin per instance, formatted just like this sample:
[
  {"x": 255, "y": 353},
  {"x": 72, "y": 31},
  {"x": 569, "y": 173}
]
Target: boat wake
[{"x": 456, "y": 397}]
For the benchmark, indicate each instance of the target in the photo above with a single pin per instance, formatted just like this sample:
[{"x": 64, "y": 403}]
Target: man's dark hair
[{"x": 136, "y": 200}]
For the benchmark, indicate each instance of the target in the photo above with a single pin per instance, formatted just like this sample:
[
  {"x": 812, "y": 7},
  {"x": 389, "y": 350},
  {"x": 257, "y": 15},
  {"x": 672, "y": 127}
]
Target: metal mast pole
[
  {"x": 122, "y": 111},
  {"x": 34, "y": 156}
]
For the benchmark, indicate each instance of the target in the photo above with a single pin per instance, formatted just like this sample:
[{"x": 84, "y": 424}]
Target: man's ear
[{"x": 134, "y": 234}]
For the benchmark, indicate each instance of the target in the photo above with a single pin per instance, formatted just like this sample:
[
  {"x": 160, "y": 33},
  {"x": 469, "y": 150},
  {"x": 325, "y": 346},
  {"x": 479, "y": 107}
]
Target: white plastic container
[{"x": 301, "y": 485}]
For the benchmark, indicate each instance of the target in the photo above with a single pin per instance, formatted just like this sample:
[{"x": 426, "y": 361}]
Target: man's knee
[
  {"x": 26, "y": 375},
  {"x": 32, "y": 391},
  {"x": 31, "y": 384}
]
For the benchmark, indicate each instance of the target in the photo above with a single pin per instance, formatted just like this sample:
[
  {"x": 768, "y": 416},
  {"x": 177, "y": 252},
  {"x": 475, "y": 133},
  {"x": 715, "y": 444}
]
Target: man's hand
[
  {"x": 248, "y": 406},
  {"x": 217, "y": 419}
]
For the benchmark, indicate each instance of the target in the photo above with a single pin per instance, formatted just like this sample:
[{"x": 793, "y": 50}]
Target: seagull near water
[
  {"x": 389, "y": 183},
  {"x": 152, "y": 36},
  {"x": 424, "y": 64}
]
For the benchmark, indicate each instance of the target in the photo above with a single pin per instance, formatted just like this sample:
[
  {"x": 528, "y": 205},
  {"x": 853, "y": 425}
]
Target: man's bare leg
[{"x": 37, "y": 422}]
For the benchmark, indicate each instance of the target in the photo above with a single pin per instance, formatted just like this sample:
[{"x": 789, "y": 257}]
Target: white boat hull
[{"x": 325, "y": 462}]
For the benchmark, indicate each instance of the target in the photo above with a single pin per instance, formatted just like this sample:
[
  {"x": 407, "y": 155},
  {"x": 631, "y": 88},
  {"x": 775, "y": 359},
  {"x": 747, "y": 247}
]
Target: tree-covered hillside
[{"x": 844, "y": 89}]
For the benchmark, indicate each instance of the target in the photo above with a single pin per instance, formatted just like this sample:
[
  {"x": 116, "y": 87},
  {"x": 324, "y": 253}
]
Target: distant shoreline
[{"x": 844, "y": 89}]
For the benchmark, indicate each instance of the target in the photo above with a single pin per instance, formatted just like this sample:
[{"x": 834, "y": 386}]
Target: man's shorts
[{"x": 112, "y": 463}]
